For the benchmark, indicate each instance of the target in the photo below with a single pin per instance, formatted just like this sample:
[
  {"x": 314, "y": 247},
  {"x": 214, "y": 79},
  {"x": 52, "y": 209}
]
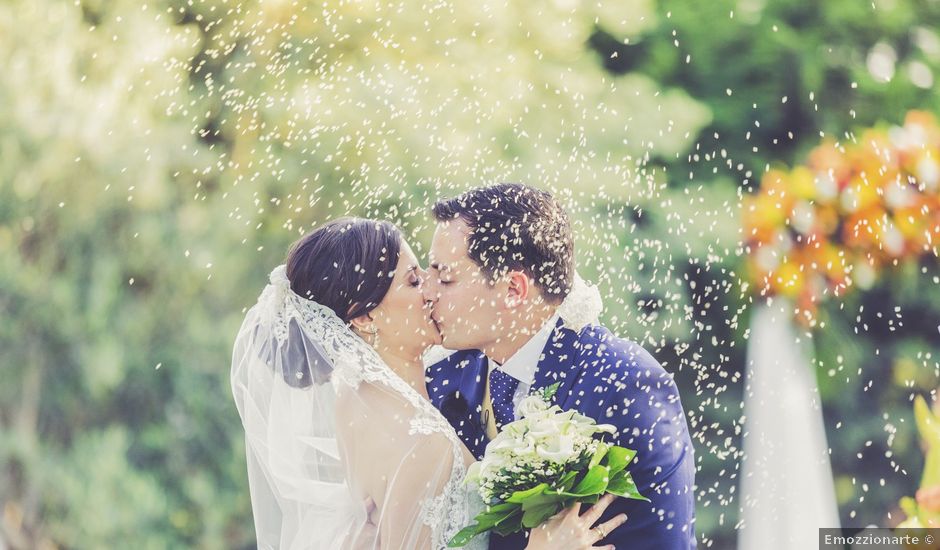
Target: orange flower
[
  {"x": 831, "y": 261},
  {"x": 827, "y": 219},
  {"x": 851, "y": 211},
  {"x": 925, "y": 122},
  {"x": 764, "y": 213},
  {"x": 802, "y": 183},
  {"x": 859, "y": 195},
  {"x": 828, "y": 158},
  {"x": 788, "y": 279}
]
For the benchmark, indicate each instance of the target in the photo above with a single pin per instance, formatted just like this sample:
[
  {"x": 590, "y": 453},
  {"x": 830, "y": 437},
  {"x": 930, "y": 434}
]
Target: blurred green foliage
[{"x": 156, "y": 160}]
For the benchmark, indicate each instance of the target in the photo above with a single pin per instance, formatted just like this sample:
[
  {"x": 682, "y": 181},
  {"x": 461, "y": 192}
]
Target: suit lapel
[
  {"x": 472, "y": 375},
  {"x": 559, "y": 363},
  {"x": 461, "y": 405}
]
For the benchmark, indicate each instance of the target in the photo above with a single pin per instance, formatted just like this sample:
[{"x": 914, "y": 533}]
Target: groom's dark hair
[{"x": 516, "y": 227}]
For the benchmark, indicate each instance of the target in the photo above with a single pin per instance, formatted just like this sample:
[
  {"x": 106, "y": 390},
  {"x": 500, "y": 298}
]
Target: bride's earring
[{"x": 375, "y": 335}]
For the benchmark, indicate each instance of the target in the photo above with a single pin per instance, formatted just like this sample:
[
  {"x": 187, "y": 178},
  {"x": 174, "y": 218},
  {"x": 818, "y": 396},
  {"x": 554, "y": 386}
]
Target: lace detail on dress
[
  {"x": 423, "y": 424},
  {"x": 353, "y": 362}
]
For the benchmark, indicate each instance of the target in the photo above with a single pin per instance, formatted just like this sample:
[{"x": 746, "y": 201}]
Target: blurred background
[{"x": 158, "y": 158}]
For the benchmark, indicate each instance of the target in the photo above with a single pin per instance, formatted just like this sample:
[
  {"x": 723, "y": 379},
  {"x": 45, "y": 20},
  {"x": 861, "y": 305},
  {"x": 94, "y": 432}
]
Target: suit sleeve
[{"x": 642, "y": 400}]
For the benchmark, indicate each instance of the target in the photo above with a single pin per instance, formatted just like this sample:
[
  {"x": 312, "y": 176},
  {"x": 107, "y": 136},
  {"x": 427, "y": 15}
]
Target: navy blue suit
[{"x": 614, "y": 381}]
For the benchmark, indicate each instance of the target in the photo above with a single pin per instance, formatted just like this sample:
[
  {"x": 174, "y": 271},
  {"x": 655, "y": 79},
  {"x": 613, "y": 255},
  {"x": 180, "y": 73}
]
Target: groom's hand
[{"x": 569, "y": 529}]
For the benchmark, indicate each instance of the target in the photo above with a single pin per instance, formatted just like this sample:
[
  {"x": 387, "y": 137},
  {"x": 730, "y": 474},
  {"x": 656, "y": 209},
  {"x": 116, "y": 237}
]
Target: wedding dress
[
  {"x": 328, "y": 425},
  {"x": 325, "y": 418}
]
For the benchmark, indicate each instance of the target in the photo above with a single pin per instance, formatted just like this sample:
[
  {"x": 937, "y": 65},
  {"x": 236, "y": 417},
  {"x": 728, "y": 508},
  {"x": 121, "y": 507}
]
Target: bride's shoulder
[
  {"x": 374, "y": 407},
  {"x": 364, "y": 402},
  {"x": 374, "y": 420}
]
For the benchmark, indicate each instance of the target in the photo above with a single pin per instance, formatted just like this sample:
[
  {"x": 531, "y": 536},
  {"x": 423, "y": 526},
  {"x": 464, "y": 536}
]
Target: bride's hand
[{"x": 569, "y": 529}]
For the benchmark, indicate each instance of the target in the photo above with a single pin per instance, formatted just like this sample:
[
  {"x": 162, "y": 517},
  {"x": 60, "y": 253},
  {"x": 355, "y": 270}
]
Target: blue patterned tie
[{"x": 502, "y": 388}]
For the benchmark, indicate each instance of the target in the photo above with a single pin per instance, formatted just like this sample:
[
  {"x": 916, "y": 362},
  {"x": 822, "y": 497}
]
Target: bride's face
[{"x": 403, "y": 318}]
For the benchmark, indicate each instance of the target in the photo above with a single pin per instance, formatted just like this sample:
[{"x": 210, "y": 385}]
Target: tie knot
[{"x": 499, "y": 377}]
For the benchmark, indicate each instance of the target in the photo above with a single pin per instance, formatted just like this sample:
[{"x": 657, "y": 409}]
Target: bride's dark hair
[{"x": 346, "y": 265}]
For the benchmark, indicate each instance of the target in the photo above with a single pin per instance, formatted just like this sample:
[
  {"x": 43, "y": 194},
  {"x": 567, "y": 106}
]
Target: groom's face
[{"x": 467, "y": 305}]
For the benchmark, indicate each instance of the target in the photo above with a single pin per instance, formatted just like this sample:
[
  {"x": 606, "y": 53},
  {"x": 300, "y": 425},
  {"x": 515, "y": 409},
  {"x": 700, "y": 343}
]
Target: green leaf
[
  {"x": 623, "y": 485},
  {"x": 931, "y": 475},
  {"x": 618, "y": 458},
  {"x": 549, "y": 392},
  {"x": 536, "y": 515},
  {"x": 590, "y": 499},
  {"x": 909, "y": 505},
  {"x": 519, "y": 497},
  {"x": 567, "y": 482},
  {"x": 543, "y": 499},
  {"x": 493, "y": 518},
  {"x": 927, "y": 424},
  {"x": 464, "y": 536},
  {"x": 599, "y": 454},
  {"x": 511, "y": 524},
  {"x": 496, "y": 514},
  {"x": 594, "y": 483}
]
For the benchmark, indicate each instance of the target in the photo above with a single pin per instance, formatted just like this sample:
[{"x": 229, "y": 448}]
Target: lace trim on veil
[{"x": 353, "y": 362}]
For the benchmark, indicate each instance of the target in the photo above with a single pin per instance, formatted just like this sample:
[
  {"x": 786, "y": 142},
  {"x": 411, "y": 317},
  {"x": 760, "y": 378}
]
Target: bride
[{"x": 344, "y": 447}]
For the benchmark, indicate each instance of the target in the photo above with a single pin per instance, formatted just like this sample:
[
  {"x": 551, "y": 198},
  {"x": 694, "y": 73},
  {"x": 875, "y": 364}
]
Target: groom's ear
[{"x": 518, "y": 290}]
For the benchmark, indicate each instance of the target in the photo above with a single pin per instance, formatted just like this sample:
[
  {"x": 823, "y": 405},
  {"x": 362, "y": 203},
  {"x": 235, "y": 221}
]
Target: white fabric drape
[{"x": 787, "y": 490}]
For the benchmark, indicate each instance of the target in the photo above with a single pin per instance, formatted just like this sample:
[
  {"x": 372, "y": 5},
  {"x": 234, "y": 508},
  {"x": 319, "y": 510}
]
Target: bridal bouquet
[{"x": 541, "y": 464}]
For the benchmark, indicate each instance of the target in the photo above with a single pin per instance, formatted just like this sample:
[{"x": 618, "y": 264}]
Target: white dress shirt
[{"x": 523, "y": 364}]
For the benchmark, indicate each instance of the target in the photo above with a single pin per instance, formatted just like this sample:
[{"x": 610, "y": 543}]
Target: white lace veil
[{"x": 328, "y": 425}]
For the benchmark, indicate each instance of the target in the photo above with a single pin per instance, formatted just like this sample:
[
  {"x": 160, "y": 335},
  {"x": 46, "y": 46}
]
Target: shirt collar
[{"x": 523, "y": 364}]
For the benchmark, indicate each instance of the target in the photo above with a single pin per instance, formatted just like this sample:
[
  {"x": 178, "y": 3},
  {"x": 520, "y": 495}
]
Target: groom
[{"x": 501, "y": 262}]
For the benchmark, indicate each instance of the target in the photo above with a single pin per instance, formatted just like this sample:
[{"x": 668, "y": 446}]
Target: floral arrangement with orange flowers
[{"x": 852, "y": 211}]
